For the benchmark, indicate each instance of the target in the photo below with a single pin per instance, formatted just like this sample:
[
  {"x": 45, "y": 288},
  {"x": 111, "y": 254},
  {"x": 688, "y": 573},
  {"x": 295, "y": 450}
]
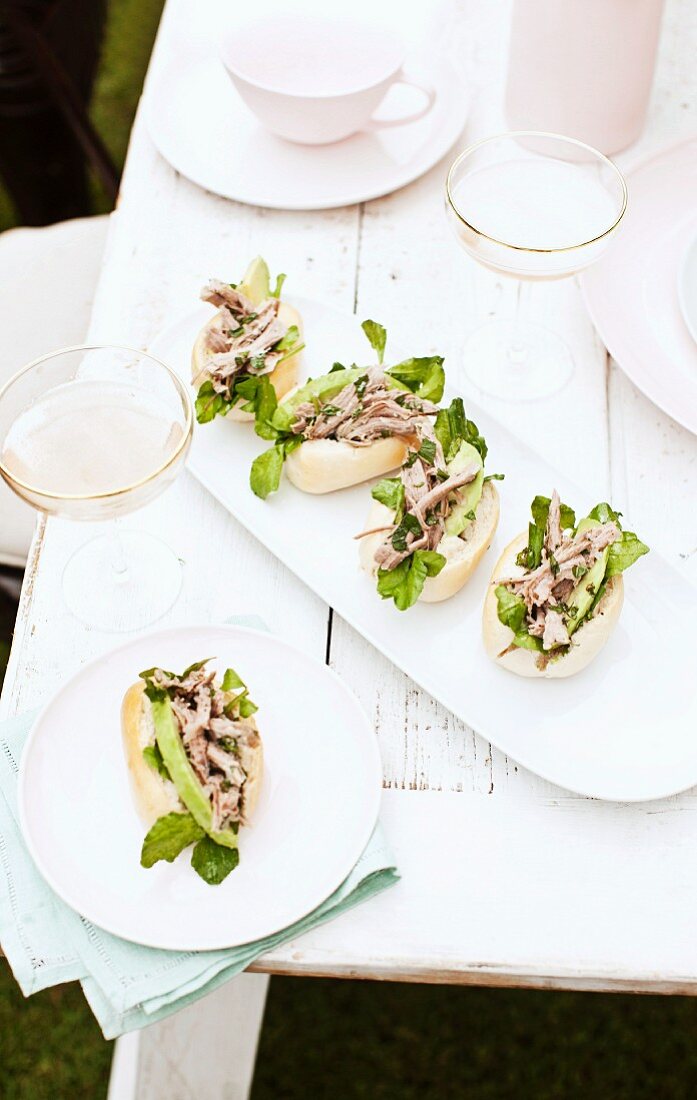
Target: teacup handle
[{"x": 428, "y": 91}]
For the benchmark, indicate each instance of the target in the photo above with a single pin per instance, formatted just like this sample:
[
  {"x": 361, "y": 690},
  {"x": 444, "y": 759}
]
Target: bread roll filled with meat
[
  {"x": 557, "y": 591},
  {"x": 252, "y": 343}
]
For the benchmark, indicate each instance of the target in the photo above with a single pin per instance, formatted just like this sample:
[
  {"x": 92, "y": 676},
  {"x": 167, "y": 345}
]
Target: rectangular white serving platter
[{"x": 624, "y": 729}]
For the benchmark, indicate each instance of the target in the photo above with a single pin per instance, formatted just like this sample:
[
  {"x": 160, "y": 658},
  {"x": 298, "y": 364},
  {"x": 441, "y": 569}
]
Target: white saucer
[
  {"x": 631, "y": 293},
  {"x": 687, "y": 286},
  {"x": 202, "y": 127}
]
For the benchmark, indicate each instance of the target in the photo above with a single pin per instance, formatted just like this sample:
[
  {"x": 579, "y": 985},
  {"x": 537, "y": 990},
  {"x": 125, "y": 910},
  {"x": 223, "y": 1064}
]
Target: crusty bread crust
[
  {"x": 586, "y": 643},
  {"x": 325, "y": 465},
  {"x": 284, "y": 378},
  {"x": 463, "y": 554},
  {"x": 154, "y": 796}
]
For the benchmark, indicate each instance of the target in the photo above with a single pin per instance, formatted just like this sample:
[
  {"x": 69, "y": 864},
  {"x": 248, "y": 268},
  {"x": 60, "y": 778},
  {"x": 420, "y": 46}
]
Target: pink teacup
[{"x": 314, "y": 80}]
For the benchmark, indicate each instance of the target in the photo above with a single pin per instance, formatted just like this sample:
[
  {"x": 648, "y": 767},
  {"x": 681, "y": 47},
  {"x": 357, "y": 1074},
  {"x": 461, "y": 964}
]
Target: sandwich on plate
[
  {"x": 250, "y": 346},
  {"x": 557, "y": 591},
  {"x": 429, "y": 527},
  {"x": 195, "y": 760},
  {"x": 349, "y": 425}
]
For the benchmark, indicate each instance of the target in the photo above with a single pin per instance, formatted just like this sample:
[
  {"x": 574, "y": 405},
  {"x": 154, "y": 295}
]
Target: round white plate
[
  {"x": 687, "y": 287},
  {"x": 201, "y": 126},
  {"x": 631, "y": 293},
  {"x": 317, "y": 810}
]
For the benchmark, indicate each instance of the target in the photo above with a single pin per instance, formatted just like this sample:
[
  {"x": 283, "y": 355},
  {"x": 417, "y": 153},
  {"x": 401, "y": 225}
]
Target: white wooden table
[{"x": 507, "y": 880}]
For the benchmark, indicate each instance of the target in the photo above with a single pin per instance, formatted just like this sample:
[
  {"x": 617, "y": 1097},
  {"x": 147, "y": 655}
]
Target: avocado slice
[
  {"x": 587, "y": 588},
  {"x": 324, "y": 388},
  {"x": 256, "y": 284},
  {"x": 458, "y": 517},
  {"x": 183, "y": 775}
]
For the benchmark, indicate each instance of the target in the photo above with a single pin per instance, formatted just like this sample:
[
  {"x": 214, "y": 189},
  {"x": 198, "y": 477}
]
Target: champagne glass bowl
[
  {"x": 92, "y": 433},
  {"x": 535, "y": 207}
]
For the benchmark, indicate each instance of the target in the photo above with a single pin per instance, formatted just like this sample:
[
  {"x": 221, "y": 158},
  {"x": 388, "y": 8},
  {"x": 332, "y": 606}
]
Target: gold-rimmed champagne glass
[
  {"x": 535, "y": 207},
  {"x": 92, "y": 433}
]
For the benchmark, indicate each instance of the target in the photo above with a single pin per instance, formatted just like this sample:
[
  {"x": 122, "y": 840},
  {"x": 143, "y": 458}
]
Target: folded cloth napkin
[{"x": 127, "y": 986}]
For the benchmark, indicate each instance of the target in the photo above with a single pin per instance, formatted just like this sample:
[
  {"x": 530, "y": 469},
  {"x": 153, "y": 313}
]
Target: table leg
[{"x": 208, "y": 1049}]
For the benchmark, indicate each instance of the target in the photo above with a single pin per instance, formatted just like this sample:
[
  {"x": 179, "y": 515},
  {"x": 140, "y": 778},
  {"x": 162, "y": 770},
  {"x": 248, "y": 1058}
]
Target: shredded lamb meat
[
  {"x": 428, "y": 497},
  {"x": 242, "y": 337},
  {"x": 363, "y": 411},
  {"x": 565, "y": 559},
  {"x": 211, "y": 739}
]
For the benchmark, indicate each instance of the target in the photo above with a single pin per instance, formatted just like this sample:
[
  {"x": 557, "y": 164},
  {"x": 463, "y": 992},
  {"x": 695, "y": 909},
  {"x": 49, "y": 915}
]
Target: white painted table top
[{"x": 506, "y": 879}]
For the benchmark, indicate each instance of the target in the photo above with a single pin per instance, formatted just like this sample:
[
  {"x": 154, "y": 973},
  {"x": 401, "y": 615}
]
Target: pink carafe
[{"x": 583, "y": 68}]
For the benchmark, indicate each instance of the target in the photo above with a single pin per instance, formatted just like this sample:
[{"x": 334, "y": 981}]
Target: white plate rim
[
  {"x": 648, "y": 388},
  {"x": 371, "y": 819},
  {"x": 689, "y": 258},
  {"x": 451, "y": 134},
  {"x": 384, "y": 648}
]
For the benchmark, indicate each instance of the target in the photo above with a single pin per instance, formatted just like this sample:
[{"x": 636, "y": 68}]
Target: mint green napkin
[{"x": 127, "y": 986}]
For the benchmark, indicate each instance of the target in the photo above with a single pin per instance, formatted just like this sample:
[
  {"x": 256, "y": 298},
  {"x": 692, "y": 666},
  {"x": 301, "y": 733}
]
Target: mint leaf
[
  {"x": 531, "y": 556},
  {"x": 291, "y": 337},
  {"x": 404, "y": 584},
  {"x": 212, "y": 861},
  {"x": 209, "y": 404},
  {"x": 452, "y": 428},
  {"x": 511, "y": 609},
  {"x": 231, "y": 680},
  {"x": 540, "y": 512},
  {"x": 423, "y": 376},
  {"x": 169, "y": 836},
  {"x": 153, "y": 757},
  {"x": 280, "y": 280},
  {"x": 605, "y": 514},
  {"x": 265, "y": 474},
  {"x": 390, "y": 492},
  {"x": 377, "y": 337},
  {"x": 623, "y": 553}
]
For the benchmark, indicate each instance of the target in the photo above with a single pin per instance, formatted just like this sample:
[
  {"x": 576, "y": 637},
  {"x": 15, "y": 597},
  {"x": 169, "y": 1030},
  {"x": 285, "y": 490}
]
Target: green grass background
[{"x": 355, "y": 1040}]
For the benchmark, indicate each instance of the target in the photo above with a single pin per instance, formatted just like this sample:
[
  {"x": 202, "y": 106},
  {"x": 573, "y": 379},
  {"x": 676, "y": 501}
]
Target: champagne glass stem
[
  {"x": 117, "y": 555},
  {"x": 518, "y": 344}
]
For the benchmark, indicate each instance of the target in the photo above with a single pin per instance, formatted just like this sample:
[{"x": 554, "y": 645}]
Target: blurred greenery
[{"x": 354, "y": 1040}]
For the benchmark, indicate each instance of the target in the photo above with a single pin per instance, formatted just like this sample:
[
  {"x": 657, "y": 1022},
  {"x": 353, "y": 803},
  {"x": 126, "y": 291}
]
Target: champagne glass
[
  {"x": 535, "y": 207},
  {"x": 92, "y": 433}
]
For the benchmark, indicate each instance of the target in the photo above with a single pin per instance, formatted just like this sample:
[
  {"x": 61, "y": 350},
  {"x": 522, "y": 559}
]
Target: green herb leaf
[
  {"x": 605, "y": 514},
  {"x": 231, "y": 680},
  {"x": 424, "y": 376},
  {"x": 291, "y": 337},
  {"x": 169, "y": 836},
  {"x": 265, "y": 474},
  {"x": 452, "y": 428},
  {"x": 404, "y": 584},
  {"x": 212, "y": 861},
  {"x": 153, "y": 757},
  {"x": 494, "y": 477},
  {"x": 511, "y": 608},
  {"x": 409, "y": 524},
  {"x": 540, "y": 512},
  {"x": 280, "y": 280},
  {"x": 390, "y": 492},
  {"x": 623, "y": 553},
  {"x": 377, "y": 337},
  {"x": 210, "y": 404},
  {"x": 427, "y": 451}
]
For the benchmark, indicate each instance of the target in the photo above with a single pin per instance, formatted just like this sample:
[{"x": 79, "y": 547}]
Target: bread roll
[
  {"x": 324, "y": 465},
  {"x": 586, "y": 642},
  {"x": 463, "y": 552},
  {"x": 283, "y": 378},
  {"x": 154, "y": 796}
]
